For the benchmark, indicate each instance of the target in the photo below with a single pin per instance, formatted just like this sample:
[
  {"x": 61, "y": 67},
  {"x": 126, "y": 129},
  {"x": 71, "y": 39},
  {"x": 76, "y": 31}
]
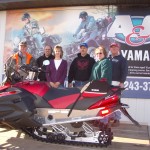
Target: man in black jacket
[
  {"x": 81, "y": 67},
  {"x": 47, "y": 56}
]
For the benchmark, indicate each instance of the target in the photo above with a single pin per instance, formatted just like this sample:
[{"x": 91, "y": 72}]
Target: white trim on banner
[
  {"x": 138, "y": 77},
  {"x": 2, "y": 39}
]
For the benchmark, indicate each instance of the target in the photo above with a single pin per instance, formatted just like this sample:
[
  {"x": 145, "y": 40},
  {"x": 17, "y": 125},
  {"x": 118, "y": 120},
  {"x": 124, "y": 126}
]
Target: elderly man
[
  {"x": 119, "y": 74},
  {"x": 119, "y": 65},
  {"x": 20, "y": 58}
]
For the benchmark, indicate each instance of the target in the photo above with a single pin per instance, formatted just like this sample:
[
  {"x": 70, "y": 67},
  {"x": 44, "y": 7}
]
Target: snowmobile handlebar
[
  {"x": 32, "y": 68},
  {"x": 21, "y": 73},
  {"x": 29, "y": 68}
]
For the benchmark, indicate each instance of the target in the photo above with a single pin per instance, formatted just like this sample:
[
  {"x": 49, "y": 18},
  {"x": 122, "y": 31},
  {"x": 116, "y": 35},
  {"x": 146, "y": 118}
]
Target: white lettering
[
  {"x": 130, "y": 55},
  {"x": 146, "y": 56},
  {"x": 120, "y": 26},
  {"x": 136, "y": 55},
  {"x": 145, "y": 24},
  {"x": 124, "y": 53},
  {"x": 95, "y": 90}
]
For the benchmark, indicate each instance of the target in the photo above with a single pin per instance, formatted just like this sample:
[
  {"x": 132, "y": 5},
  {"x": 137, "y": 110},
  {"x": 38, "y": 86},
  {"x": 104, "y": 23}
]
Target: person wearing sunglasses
[{"x": 102, "y": 68}]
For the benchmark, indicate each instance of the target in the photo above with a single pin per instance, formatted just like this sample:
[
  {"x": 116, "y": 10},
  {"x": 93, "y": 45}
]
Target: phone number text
[{"x": 130, "y": 85}]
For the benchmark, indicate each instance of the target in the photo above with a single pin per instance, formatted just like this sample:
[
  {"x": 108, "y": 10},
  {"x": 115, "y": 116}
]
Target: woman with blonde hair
[
  {"x": 57, "y": 69},
  {"x": 102, "y": 68}
]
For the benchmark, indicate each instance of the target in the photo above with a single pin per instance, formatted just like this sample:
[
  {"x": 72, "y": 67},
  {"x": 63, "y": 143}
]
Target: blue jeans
[
  {"x": 61, "y": 86},
  {"x": 115, "y": 116},
  {"x": 80, "y": 83}
]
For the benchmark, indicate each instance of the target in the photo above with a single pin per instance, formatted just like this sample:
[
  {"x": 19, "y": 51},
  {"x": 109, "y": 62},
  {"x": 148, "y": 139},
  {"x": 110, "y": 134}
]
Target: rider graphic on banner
[
  {"x": 31, "y": 30},
  {"x": 87, "y": 27}
]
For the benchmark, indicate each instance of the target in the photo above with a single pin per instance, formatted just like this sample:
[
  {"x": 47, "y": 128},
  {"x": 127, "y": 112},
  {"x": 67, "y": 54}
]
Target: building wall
[
  {"x": 2, "y": 38},
  {"x": 139, "y": 108}
]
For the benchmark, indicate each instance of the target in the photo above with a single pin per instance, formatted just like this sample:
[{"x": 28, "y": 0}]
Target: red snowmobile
[{"x": 60, "y": 115}]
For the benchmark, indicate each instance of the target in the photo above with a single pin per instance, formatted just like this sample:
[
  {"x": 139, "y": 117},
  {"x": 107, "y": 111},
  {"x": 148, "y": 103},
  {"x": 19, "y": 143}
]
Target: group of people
[{"x": 82, "y": 70}]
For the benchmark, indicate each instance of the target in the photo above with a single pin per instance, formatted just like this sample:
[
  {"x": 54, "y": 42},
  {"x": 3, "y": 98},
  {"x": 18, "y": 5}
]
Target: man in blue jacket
[
  {"x": 119, "y": 74},
  {"x": 119, "y": 66}
]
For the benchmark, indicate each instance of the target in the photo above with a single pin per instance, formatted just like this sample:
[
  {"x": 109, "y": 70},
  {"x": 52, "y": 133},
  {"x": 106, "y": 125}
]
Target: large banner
[{"x": 63, "y": 26}]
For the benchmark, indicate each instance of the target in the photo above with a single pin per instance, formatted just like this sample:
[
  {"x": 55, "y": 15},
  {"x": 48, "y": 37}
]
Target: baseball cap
[
  {"x": 114, "y": 44},
  {"x": 84, "y": 44},
  {"x": 23, "y": 43}
]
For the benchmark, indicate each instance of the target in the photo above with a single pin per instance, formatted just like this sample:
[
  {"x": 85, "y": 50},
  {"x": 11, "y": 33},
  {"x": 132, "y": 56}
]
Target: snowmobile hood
[
  {"x": 4, "y": 87},
  {"x": 34, "y": 87}
]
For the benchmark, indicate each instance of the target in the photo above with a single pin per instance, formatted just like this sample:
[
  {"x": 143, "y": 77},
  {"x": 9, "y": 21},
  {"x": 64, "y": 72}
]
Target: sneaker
[{"x": 116, "y": 123}]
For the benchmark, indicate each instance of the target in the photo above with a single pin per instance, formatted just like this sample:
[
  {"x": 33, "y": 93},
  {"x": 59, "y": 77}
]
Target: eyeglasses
[
  {"x": 99, "y": 53},
  {"x": 23, "y": 45}
]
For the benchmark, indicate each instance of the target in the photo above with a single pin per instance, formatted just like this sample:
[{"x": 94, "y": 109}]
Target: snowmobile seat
[
  {"x": 54, "y": 93},
  {"x": 96, "y": 88}
]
